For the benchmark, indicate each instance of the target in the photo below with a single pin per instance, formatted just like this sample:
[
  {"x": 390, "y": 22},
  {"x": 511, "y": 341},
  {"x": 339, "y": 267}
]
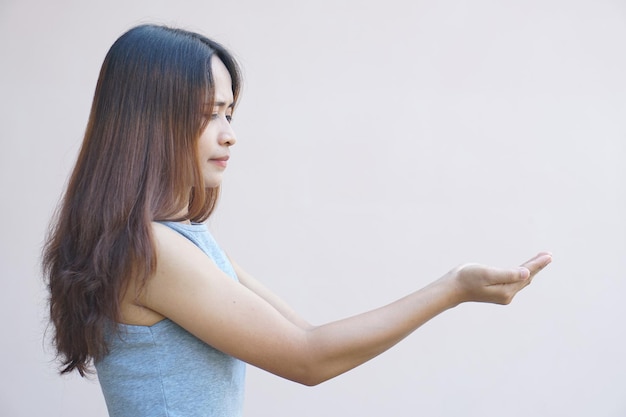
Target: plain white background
[{"x": 380, "y": 144}]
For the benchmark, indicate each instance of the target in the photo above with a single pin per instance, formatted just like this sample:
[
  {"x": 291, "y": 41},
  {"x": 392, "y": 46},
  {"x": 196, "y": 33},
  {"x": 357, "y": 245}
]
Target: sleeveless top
[{"x": 164, "y": 371}]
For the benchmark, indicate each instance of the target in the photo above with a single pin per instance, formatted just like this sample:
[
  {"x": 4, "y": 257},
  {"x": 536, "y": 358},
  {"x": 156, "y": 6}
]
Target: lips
[{"x": 221, "y": 161}]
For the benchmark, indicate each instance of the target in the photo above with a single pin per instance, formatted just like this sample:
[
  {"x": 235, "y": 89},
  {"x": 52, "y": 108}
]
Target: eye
[{"x": 215, "y": 116}]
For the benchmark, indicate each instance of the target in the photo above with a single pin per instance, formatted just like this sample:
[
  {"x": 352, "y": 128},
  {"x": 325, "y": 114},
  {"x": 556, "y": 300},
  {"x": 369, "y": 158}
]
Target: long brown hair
[{"x": 136, "y": 165}]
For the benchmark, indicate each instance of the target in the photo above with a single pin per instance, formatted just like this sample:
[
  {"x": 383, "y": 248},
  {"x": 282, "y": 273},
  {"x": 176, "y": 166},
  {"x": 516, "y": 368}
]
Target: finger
[
  {"x": 496, "y": 276},
  {"x": 537, "y": 263}
]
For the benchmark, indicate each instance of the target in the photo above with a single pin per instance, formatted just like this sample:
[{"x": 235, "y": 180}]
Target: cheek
[
  {"x": 202, "y": 148},
  {"x": 206, "y": 140}
]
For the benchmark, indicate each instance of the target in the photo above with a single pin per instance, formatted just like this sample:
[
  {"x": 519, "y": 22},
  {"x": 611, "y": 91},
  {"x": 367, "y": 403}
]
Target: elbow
[
  {"x": 309, "y": 379},
  {"x": 308, "y": 364},
  {"x": 311, "y": 383},
  {"x": 310, "y": 374}
]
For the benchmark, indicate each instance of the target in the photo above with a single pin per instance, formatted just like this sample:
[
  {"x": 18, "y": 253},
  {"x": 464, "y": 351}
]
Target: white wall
[{"x": 380, "y": 144}]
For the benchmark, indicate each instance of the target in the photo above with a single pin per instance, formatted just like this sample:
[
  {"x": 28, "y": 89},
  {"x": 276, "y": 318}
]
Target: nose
[{"x": 227, "y": 135}]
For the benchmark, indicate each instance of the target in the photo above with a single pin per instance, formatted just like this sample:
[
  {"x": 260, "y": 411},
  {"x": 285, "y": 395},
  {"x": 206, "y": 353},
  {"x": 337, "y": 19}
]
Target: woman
[{"x": 139, "y": 287}]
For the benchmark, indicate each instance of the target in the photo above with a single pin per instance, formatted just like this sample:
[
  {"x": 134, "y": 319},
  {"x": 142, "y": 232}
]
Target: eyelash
[{"x": 229, "y": 117}]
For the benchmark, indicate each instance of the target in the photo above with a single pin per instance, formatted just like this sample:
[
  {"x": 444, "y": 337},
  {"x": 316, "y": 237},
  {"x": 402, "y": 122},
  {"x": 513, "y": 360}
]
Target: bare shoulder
[
  {"x": 143, "y": 305},
  {"x": 166, "y": 239},
  {"x": 177, "y": 257},
  {"x": 184, "y": 275},
  {"x": 168, "y": 247}
]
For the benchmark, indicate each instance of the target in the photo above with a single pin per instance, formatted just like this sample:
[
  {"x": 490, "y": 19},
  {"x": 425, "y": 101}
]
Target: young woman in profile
[{"x": 139, "y": 288}]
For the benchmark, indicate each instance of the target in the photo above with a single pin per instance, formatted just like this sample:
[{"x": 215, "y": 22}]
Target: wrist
[{"x": 454, "y": 292}]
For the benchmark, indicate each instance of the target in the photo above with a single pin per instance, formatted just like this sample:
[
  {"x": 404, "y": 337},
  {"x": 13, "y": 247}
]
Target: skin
[
  {"x": 218, "y": 136},
  {"x": 246, "y": 320}
]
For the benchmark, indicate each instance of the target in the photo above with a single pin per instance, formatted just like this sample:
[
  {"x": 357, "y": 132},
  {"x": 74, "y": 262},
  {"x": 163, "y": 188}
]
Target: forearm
[{"x": 339, "y": 346}]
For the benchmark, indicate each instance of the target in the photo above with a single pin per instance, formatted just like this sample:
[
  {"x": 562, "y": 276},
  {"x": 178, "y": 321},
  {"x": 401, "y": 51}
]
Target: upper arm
[{"x": 189, "y": 288}]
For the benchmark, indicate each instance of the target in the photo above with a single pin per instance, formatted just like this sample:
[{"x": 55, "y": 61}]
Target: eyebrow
[{"x": 223, "y": 104}]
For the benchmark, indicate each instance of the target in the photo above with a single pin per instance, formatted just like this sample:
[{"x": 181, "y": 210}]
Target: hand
[{"x": 486, "y": 284}]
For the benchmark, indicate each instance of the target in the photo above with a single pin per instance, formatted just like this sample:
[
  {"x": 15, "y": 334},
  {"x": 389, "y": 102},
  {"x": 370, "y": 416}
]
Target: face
[{"x": 218, "y": 136}]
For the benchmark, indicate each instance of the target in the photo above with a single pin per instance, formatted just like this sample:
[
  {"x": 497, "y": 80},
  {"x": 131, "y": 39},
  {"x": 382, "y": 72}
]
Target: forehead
[{"x": 223, "y": 84}]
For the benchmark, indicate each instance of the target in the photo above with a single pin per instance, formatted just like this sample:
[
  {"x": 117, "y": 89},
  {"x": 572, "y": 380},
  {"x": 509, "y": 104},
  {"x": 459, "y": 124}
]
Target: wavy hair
[{"x": 137, "y": 164}]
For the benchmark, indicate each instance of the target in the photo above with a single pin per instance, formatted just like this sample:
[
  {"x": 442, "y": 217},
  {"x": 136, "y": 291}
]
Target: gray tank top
[{"x": 164, "y": 371}]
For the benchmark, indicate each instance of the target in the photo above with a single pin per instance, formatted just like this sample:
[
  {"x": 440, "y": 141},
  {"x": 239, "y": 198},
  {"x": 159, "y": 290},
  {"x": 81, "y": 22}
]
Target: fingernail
[{"x": 524, "y": 273}]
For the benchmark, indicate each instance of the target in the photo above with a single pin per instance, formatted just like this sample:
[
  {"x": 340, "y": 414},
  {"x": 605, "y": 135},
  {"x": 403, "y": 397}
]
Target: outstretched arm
[{"x": 189, "y": 289}]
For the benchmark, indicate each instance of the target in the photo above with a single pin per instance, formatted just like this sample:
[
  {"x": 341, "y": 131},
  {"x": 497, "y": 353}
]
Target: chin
[{"x": 212, "y": 182}]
